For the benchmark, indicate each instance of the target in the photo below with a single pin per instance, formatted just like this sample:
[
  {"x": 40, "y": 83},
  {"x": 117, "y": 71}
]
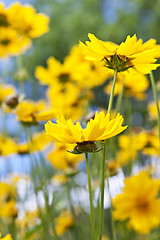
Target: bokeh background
[{"x": 70, "y": 22}]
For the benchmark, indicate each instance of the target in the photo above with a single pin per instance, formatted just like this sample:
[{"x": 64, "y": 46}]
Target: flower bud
[{"x": 12, "y": 100}]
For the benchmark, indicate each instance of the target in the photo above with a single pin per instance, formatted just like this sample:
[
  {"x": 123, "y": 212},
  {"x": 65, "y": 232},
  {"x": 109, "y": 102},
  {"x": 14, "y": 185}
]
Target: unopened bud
[
  {"x": 21, "y": 75},
  {"x": 12, "y": 100}
]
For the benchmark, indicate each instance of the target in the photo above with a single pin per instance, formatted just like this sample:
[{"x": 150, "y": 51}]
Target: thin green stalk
[
  {"x": 119, "y": 99},
  {"x": 113, "y": 231},
  {"x": 112, "y": 92},
  {"x": 102, "y": 190},
  {"x": 103, "y": 161},
  {"x": 37, "y": 169},
  {"x": 90, "y": 196},
  {"x": 156, "y": 99},
  {"x": 69, "y": 199}
]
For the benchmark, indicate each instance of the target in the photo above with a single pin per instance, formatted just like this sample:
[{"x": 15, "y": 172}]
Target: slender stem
[
  {"x": 90, "y": 195},
  {"x": 102, "y": 190},
  {"x": 112, "y": 92},
  {"x": 119, "y": 99},
  {"x": 113, "y": 232},
  {"x": 156, "y": 99},
  {"x": 103, "y": 161}
]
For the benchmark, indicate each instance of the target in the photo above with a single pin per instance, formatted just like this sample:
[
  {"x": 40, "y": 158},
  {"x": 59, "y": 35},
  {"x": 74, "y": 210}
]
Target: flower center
[
  {"x": 142, "y": 204},
  {"x": 5, "y": 42},
  {"x": 64, "y": 78},
  {"x": 3, "y": 20}
]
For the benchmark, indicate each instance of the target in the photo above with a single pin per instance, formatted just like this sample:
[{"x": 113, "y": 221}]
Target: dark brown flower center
[
  {"x": 5, "y": 41},
  {"x": 3, "y": 20},
  {"x": 64, "y": 78},
  {"x": 142, "y": 204}
]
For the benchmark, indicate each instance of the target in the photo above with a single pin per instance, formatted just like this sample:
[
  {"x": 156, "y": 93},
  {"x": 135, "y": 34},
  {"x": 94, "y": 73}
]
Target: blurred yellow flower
[
  {"x": 18, "y": 26},
  {"x": 152, "y": 109},
  {"x": 59, "y": 179},
  {"x": 7, "y": 145},
  {"x": 61, "y": 159},
  {"x": 135, "y": 84},
  {"x": 4, "y": 21},
  {"x": 105, "y": 238},
  {"x": 7, "y": 202},
  {"x": 131, "y": 53},
  {"x": 6, "y": 90},
  {"x": 63, "y": 222},
  {"x": 139, "y": 203},
  {"x": 67, "y": 100},
  {"x": 99, "y": 128},
  {"x": 32, "y": 112},
  {"x": 26, "y": 21},
  {"x": 7, "y": 237},
  {"x": 153, "y": 147},
  {"x": 129, "y": 146},
  {"x": 30, "y": 219},
  {"x": 86, "y": 74},
  {"x": 75, "y": 69},
  {"x": 11, "y": 43}
]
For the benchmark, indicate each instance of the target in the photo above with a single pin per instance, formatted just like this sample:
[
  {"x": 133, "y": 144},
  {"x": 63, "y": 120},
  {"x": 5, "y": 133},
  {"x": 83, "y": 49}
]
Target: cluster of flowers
[
  {"x": 18, "y": 26},
  {"x": 69, "y": 90}
]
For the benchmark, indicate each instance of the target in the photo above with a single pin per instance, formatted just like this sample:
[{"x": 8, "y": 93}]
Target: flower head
[
  {"x": 139, "y": 203},
  {"x": 63, "y": 222},
  {"x": 32, "y": 112},
  {"x": 26, "y": 21},
  {"x": 99, "y": 128},
  {"x": 131, "y": 53},
  {"x": 11, "y": 43}
]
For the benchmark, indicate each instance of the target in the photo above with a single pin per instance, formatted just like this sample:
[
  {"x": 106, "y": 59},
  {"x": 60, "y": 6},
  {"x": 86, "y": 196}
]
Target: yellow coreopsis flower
[
  {"x": 6, "y": 90},
  {"x": 139, "y": 203},
  {"x": 7, "y": 237},
  {"x": 63, "y": 222},
  {"x": 11, "y": 43},
  {"x": 7, "y": 145},
  {"x": 131, "y": 53},
  {"x": 7, "y": 207},
  {"x": 86, "y": 74},
  {"x": 152, "y": 148},
  {"x": 75, "y": 69},
  {"x": 29, "y": 111},
  {"x": 152, "y": 109},
  {"x": 55, "y": 72},
  {"x": 4, "y": 21},
  {"x": 67, "y": 100},
  {"x": 26, "y": 21},
  {"x": 99, "y": 128}
]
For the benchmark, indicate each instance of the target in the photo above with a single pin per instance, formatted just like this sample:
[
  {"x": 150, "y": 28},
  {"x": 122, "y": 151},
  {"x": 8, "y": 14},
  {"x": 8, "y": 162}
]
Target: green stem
[
  {"x": 156, "y": 99},
  {"x": 103, "y": 161},
  {"x": 90, "y": 195},
  {"x": 112, "y": 92},
  {"x": 113, "y": 231},
  {"x": 102, "y": 190},
  {"x": 119, "y": 99}
]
